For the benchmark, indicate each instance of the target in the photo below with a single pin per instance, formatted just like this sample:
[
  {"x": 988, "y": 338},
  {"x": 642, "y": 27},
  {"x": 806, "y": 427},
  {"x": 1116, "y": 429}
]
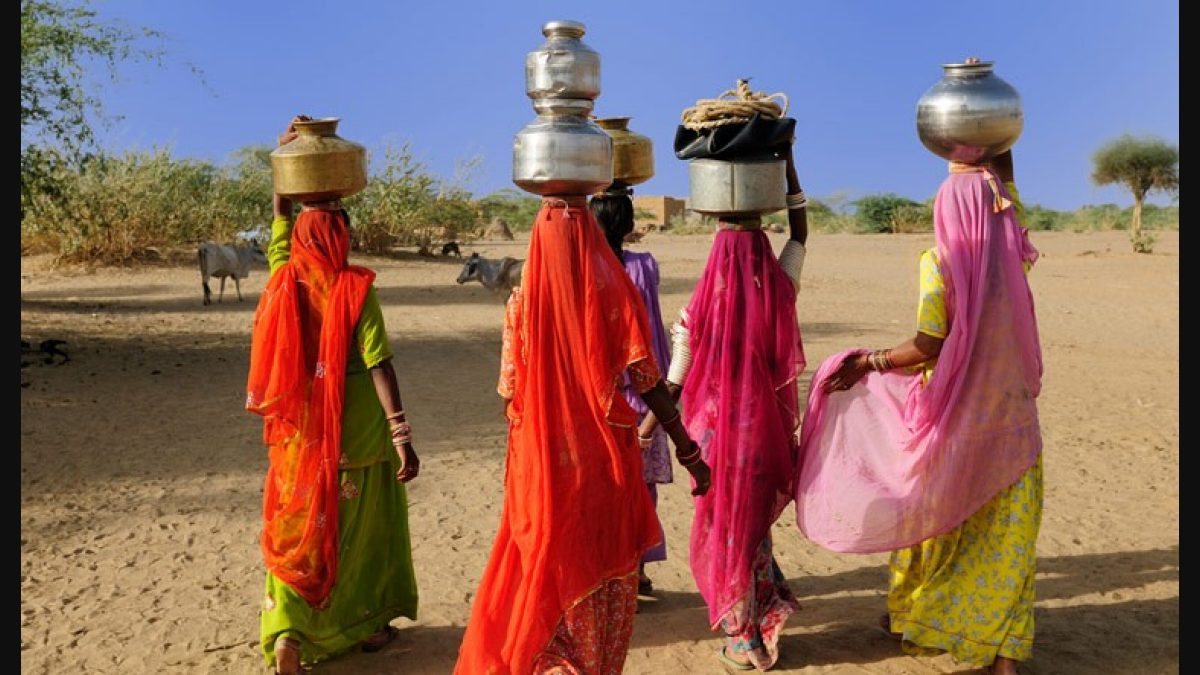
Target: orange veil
[
  {"x": 302, "y": 330},
  {"x": 576, "y": 512}
]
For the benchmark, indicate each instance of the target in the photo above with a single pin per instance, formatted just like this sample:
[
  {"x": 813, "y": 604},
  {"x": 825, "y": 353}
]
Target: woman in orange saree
[
  {"x": 335, "y": 526},
  {"x": 560, "y": 588}
]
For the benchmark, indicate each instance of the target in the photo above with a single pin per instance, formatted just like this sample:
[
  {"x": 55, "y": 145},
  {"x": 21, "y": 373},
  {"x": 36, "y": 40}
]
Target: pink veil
[
  {"x": 741, "y": 405},
  {"x": 892, "y": 461}
]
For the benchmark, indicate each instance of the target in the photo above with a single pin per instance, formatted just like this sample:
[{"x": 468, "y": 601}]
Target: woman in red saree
[
  {"x": 335, "y": 525},
  {"x": 560, "y": 588}
]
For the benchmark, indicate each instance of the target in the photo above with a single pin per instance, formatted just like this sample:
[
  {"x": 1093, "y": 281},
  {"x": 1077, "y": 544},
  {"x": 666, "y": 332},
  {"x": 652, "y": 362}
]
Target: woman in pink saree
[
  {"x": 943, "y": 465},
  {"x": 737, "y": 356}
]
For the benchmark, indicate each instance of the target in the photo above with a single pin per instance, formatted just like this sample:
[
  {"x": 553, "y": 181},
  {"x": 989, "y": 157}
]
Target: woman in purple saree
[{"x": 614, "y": 211}]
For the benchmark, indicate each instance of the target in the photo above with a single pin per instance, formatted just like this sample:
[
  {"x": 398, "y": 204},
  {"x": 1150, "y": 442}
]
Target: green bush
[
  {"x": 514, "y": 207},
  {"x": 875, "y": 213},
  {"x": 908, "y": 218},
  {"x": 119, "y": 209},
  {"x": 122, "y": 209}
]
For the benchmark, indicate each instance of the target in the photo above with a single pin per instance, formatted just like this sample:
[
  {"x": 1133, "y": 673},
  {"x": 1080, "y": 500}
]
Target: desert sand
[{"x": 141, "y": 474}]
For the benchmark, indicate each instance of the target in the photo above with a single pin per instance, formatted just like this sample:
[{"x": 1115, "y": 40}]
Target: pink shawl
[
  {"x": 894, "y": 461},
  {"x": 741, "y": 405}
]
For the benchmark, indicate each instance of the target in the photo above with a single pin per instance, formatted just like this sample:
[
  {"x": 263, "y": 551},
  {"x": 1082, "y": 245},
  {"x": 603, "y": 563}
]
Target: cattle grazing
[
  {"x": 496, "y": 275},
  {"x": 451, "y": 248},
  {"x": 223, "y": 261}
]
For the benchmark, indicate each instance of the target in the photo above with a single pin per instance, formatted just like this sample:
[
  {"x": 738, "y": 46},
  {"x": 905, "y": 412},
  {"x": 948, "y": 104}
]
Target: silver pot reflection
[
  {"x": 562, "y": 155},
  {"x": 740, "y": 188},
  {"x": 563, "y": 67},
  {"x": 970, "y": 115}
]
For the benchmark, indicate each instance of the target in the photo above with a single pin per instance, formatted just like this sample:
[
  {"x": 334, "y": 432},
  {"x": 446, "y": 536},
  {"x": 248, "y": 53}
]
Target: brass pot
[
  {"x": 633, "y": 153},
  {"x": 318, "y": 164}
]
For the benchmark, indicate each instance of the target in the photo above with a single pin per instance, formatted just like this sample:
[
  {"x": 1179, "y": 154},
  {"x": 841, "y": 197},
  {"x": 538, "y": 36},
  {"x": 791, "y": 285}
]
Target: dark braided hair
[{"x": 615, "y": 215}]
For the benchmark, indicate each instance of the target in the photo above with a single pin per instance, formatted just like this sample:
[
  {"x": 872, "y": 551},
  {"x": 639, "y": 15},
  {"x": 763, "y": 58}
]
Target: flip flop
[
  {"x": 389, "y": 633},
  {"x": 731, "y": 664}
]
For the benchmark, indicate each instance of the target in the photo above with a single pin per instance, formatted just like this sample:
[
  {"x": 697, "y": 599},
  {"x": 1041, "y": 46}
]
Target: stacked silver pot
[{"x": 562, "y": 152}]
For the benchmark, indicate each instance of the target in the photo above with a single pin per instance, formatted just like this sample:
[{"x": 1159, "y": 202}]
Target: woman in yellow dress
[{"x": 966, "y": 586}]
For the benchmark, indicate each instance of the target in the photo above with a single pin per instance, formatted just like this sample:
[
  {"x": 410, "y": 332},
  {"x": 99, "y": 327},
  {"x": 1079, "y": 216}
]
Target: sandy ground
[{"x": 141, "y": 474}]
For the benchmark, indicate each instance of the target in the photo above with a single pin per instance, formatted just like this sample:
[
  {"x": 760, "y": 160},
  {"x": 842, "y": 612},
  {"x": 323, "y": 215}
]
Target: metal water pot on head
[
  {"x": 562, "y": 152},
  {"x": 318, "y": 164},
  {"x": 633, "y": 153},
  {"x": 737, "y": 189},
  {"x": 970, "y": 115}
]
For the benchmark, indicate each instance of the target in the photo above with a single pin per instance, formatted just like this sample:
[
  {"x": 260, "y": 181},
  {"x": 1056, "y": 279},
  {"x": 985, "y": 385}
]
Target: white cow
[{"x": 221, "y": 261}]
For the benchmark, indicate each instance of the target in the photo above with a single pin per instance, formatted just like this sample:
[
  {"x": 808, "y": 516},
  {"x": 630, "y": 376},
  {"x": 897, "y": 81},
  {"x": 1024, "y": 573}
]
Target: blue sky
[{"x": 448, "y": 77}]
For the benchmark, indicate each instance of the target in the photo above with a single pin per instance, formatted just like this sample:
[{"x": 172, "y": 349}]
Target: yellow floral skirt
[{"x": 969, "y": 592}]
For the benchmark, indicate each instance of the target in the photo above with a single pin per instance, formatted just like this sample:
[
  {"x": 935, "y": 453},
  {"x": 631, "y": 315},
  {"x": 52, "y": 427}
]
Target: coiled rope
[{"x": 734, "y": 107}]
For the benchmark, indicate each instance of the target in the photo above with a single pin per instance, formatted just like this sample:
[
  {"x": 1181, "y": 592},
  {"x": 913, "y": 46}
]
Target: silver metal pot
[
  {"x": 563, "y": 67},
  {"x": 970, "y": 115},
  {"x": 562, "y": 155},
  {"x": 742, "y": 188}
]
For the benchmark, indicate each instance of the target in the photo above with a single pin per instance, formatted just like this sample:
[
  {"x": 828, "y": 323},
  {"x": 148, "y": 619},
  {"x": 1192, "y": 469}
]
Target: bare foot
[{"x": 287, "y": 656}]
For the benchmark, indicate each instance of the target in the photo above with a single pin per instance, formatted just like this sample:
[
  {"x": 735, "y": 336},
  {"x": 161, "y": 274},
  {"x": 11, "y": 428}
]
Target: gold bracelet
[{"x": 401, "y": 432}]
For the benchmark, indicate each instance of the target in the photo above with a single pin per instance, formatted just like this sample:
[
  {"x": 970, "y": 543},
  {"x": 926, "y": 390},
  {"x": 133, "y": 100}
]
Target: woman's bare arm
[{"x": 383, "y": 376}]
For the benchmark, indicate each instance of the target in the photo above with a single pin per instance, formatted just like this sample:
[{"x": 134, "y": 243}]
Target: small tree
[
  {"x": 58, "y": 40},
  {"x": 1141, "y": 165}
]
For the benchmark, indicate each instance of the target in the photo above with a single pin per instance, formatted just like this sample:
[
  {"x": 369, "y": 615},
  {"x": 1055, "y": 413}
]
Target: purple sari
[{"x": 643, "y": 270}]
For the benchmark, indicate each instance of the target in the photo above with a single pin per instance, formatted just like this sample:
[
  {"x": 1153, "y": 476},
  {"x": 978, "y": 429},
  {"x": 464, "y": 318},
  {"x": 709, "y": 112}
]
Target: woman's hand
[
  {"x": 702, "y": 476},
  {"x": 290, "y": 135},
  {"x": 848, "y": 374},
  {"x": 410, "y": 464}
]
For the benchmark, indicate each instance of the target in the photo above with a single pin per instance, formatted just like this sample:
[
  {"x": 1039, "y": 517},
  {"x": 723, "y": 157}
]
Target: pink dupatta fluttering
[{"x": 893, "y": 461}]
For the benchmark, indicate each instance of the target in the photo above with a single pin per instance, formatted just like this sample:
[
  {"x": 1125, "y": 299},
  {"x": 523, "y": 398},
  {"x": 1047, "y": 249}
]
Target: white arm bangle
[
  {"x": 791, "y": 259},
  {"x": 681, "y": 355}
]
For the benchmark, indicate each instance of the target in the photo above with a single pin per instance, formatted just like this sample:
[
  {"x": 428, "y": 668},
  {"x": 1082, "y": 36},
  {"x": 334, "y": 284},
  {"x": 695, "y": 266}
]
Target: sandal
[
  {"x": 377, "y": 641},
  {"x": 732, "y": 664},
  {"x": 645, "y": 586}
]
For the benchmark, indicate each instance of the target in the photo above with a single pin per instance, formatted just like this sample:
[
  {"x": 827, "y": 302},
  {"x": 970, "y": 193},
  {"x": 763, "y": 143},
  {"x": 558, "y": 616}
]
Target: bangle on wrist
[
  {"x": 689, "y": 458},
  {"x": 880, "y": 360}
]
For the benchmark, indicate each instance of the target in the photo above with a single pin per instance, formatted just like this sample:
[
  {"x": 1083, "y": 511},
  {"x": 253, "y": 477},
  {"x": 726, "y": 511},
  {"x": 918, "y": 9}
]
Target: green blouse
[{"x": 365, "y": 438}]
